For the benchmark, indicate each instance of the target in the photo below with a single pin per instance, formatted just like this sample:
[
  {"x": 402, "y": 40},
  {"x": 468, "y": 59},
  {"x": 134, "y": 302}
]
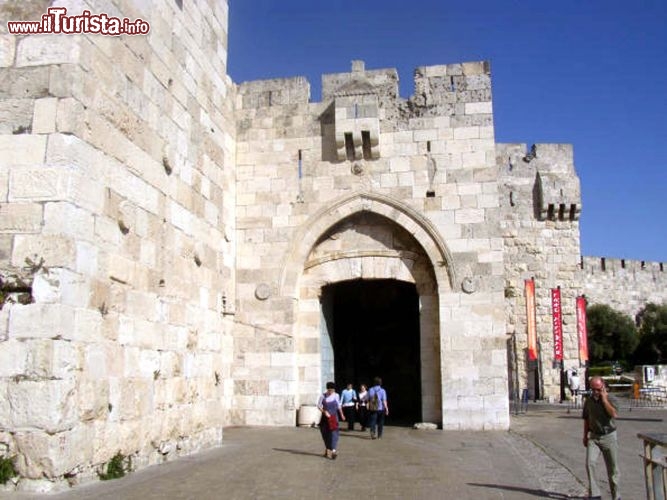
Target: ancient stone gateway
[{"x": 369, "y": 237}]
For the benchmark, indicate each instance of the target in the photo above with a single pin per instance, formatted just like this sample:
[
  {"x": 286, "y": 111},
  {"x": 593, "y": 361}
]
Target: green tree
[
  {"x": 611, "y": 334},
  {"x": 652, "y": 347}
]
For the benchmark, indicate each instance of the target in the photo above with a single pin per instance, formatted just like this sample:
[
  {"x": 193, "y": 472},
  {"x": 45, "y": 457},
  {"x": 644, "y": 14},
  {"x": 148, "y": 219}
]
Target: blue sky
[{"x": 588, "y": 72}]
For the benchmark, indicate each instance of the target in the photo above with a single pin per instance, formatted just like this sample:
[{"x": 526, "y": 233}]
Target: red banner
[
  {"x": 557, "y": 318},
  {"x": 581, "y": 329},
  {"x": 531, "y": 319}
]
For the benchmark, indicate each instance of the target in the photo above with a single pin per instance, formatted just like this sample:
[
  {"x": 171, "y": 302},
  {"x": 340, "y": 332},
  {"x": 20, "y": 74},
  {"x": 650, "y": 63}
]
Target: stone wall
[
  {"x": 428, "y": 165},
  {"x": 541, "y": 202},
  {"x": 625, "y": 285},
  {"x": 117, "y": 207}
]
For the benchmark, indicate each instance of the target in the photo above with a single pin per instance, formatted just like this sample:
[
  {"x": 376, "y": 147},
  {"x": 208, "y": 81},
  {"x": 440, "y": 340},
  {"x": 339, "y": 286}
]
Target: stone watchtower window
[
  {"x": 366, "y": 144},
  {"x": 349, "y": 147}
]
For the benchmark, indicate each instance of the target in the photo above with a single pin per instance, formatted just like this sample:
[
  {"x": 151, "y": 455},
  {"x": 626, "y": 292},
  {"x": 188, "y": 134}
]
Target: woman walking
[
  {"x": 363, "y": 407},
  {"x": 330, "y": 406}
]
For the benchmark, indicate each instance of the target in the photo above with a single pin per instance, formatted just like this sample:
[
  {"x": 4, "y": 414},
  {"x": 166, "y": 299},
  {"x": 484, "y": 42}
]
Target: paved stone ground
[
  {"x": 558, "y": 433},
  {"x": 541, "y": 457}
]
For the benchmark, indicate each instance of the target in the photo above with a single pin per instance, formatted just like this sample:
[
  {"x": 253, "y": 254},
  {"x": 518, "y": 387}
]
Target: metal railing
[{"x": 655, "y": 465}]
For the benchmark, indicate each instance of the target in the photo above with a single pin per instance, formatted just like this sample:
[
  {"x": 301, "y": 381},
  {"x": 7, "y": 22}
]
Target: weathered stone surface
[{"x": 177, "y": 231}]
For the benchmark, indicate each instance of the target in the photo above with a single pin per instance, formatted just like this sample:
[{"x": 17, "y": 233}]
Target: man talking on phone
[{"x": 600, "y": 409}]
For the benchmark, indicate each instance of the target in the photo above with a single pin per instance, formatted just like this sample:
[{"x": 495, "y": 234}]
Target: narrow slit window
[
  {"x": 366, "y": 144},
  {"x": 622, "y": 263},
  {"x": 349, "y": 147},
  {"x": 300, "y": 165},
  {"x": 561, "y": 212},
  {"x": 550, "y": 212},
  {"x": 603, "y": 264},
  {"x": 428, "y": 146},
  {"x": 573, "y": 211}
]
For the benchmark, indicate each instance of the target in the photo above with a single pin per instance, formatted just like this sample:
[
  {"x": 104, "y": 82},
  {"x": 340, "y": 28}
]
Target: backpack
[{"x": 374, "y": 402}]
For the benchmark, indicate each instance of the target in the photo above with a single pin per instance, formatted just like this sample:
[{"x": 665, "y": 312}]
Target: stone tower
[
  {"x": 541, "y": 204},
  {"x": 117, "y": 200}
]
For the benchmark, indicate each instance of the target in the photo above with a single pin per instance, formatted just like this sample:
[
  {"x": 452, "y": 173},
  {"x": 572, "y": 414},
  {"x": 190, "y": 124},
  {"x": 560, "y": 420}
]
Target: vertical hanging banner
[
  {"x": 531, "y": 319},
  {"x": 581, "y": 329},
  {"x": 557, "y": 318}
]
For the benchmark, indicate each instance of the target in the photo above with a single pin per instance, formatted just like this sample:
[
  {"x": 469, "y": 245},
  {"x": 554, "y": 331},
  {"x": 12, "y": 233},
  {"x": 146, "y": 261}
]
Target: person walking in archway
[
  {"x": 378, "y": 408},
  {"x": 330, "y": 406},
  {"x": 349, "y": 401}
]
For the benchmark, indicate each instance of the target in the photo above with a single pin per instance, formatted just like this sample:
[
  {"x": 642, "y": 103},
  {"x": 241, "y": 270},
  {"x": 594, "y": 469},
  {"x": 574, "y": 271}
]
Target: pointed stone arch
[{"x": 403, "y": 215}]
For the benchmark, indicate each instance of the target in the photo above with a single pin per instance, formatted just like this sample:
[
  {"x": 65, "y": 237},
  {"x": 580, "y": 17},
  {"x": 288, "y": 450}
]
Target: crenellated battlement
[
  {"x": 547, "y": 170},
  {"x": 614, "y": 265},
  {"x": 624, "y": 284},
  {"x": 273, "y": 92}
]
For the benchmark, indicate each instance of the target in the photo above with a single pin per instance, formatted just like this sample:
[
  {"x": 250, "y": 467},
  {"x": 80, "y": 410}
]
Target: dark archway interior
[{"x": 374, "y": 328}]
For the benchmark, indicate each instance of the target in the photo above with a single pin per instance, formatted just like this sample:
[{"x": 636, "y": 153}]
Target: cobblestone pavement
[{"x": 541, "y": 457}]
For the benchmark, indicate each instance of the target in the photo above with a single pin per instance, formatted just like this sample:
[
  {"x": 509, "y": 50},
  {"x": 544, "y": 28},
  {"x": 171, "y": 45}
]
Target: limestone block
[
  {"x": 38, "y": 50},
  {"x": 13, "y": 356},
  {"x": 67, "y": 360},
  {"x": 87, "y": 325},
  {"x": 50, "y": 405},
  {"x": 20, "y": 217},
  {"x": 466, "y": 133},
  {"x": 93, "y": 400},
  {"x": 4, "y": 184},
  {"x": 68, "y": 219},
  {"x": 87, "y": 258},
  {"x": 68, "y": 116},
  {"x": 7, "y": 48},
  {"x": 44, "y": 117},
  {"x": 25, "y": 82},
  {"x": 16, "y": 116},
  {"x": 22, "y": 149},
  {"x": 473, "y": 159},
  {"x": 472, "y": 108},
  {"x": 469, "y": 216},
  {"x": 46, "y": 286},
  {"x": 38, "y": 184},
  {"x": 281, "y": 388},
  {"x": 40, "y": 320},
  {"x": 53, "y": 455}
]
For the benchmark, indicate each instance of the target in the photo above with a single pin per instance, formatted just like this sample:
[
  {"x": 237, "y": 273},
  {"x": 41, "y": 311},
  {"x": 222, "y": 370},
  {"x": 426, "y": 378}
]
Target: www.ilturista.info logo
[{"x": 57, "y": 21}]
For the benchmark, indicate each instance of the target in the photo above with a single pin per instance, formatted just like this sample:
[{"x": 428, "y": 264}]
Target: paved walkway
[{"x": 541, "y": 457}]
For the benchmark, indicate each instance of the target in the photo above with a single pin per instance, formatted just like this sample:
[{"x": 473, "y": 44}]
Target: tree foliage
[
  {"x": 611, "y": 335},
  {"x": 652, "y": 347}
]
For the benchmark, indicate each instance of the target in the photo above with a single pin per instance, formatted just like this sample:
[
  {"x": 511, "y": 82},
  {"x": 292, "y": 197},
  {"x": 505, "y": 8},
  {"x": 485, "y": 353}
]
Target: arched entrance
[
  {"x": 366, "y": 246},
  {"x": 373, "y": 329}
]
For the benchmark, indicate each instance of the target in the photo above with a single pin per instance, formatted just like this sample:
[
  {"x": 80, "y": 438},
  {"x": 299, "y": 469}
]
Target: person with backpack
[
  {"x": 377, "y": 408},
  {"x": 330, "y": 406}
]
